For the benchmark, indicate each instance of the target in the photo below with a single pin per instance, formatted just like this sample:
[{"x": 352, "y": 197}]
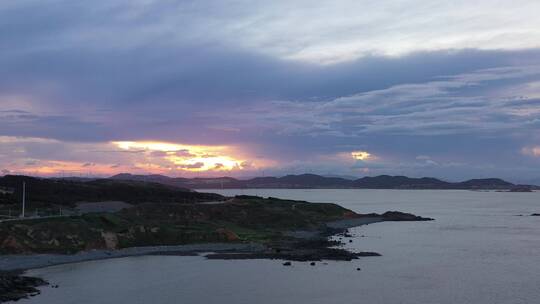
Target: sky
[{"x": 449, "y": 89}]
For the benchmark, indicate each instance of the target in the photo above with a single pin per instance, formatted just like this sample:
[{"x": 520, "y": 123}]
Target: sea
[{"x": 482, "y": 248}]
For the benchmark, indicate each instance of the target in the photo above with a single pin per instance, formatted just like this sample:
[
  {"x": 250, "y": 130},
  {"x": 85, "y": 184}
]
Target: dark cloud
[
  {"x": 196, "y": 165},
  {"x": 158, "y": 153},
  {"x": 172, "y": 99},
  {"x": 99, "y": 71},
  {"x": 72, "y": 128},
  {"x": 184, "y": 153}
]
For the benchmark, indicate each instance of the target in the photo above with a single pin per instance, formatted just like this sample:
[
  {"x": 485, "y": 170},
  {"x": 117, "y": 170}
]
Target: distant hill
[
  {"x": 307, "y": 181},
  {"x": 486, "y": 183},
  {"x": 400, "y": 182},
  {"x": 289, "y": 181},
  {"x": 299, "y": 181},
  {"x": 68, "y": 192}
]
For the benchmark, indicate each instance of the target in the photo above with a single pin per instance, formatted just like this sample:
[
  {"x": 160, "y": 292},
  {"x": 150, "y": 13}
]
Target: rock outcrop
[{"x": 14, "y": 287}]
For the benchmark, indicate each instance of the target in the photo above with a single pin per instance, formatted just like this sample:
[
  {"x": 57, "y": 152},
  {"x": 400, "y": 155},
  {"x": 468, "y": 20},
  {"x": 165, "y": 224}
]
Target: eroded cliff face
[
  {"x": 228, "y": 234},
  {"x": 23, "y": 239},
  {"x": 42, "y": 236},
  {"x": 111, "y": 240}
]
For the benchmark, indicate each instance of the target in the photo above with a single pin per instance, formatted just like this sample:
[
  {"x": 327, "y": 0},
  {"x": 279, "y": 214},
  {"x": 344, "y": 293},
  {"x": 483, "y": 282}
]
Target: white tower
[{"x": 23, "y": 198}]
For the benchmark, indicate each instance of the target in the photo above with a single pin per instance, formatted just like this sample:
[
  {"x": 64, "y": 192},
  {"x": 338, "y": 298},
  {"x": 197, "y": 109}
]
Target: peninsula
[{"x": 137, "y": 218}]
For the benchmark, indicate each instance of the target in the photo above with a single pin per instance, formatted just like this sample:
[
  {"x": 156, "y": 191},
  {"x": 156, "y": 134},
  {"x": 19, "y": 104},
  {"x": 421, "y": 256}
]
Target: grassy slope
[{"x": 242, "y": 219}]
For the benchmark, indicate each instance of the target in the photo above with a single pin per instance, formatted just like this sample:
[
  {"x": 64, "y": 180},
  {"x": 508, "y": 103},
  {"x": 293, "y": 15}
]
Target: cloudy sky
[{"x": 449, "y": 89}]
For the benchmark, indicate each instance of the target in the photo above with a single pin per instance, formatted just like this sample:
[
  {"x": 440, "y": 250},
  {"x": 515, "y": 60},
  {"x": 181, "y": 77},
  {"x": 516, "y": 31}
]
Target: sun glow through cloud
[
  {"x": 361, "y": 155},
  {"x": 38, "y": 156},
  {"x": 187, "y": 157}
]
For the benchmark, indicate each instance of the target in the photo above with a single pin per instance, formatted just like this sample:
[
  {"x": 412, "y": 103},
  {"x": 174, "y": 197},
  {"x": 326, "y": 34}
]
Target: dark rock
[
  {"x": 175, "y": 253},
  {"x": 14, "y": 287},
  {"x": 521, "y": 188},
  {"x": 287, "y": 264},
  {"x": 367, "y": 254},
  {"x": 312, "y": 263},
  {"x": 301, "y": 251},
  {"x": 535, "y": 214},
  {"x": 358, "y": 269},
  {"x": 402, "y": 216},
  {"x": 350, "y": 241}
]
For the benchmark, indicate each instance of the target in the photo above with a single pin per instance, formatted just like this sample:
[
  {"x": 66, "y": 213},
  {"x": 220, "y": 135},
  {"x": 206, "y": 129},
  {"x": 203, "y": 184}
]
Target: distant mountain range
[{"x": 312, "y": 181}]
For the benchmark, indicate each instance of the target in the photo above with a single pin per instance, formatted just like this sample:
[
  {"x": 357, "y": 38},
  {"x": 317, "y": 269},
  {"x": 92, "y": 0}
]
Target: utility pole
[{"x": 23, "y": 198}]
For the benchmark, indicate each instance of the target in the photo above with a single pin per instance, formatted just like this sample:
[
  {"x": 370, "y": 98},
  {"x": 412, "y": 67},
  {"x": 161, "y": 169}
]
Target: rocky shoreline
[
  {"x": 304, "y": 246},
  {"x": 14, "y": 286},
  {"x": 298, "y": 244},
  {"x": 310, "y": 247},
  {"x": 311, "y": 250}
]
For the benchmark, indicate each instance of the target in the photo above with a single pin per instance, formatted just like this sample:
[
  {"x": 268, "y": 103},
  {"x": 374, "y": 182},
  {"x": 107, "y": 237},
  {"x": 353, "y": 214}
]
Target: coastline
[
  {"x": 20, "y": 263},
  {"x": 354, "y": 222},
  {"x": 297, "y": 245},
  {"x": 15, "y": 284},
  {"x": 288, "y": 241},
  {"x": 23, "y": 262}
]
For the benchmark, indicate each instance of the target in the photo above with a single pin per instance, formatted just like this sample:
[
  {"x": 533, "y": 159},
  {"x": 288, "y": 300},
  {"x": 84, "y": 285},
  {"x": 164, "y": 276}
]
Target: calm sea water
[{"x": 477, "y": 251}]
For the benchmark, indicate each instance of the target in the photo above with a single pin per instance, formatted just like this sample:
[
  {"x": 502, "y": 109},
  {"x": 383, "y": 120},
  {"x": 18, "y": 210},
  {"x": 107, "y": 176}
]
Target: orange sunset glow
[
  {"x": 142, "y": 157},
  {"x": 65, "y": 167},
  {"x": 187, "y": 157}
]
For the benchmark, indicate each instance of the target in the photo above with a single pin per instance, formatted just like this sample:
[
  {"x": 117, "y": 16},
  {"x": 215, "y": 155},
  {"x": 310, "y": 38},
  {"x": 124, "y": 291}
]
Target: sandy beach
[{"x": 24, "y": 262}]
